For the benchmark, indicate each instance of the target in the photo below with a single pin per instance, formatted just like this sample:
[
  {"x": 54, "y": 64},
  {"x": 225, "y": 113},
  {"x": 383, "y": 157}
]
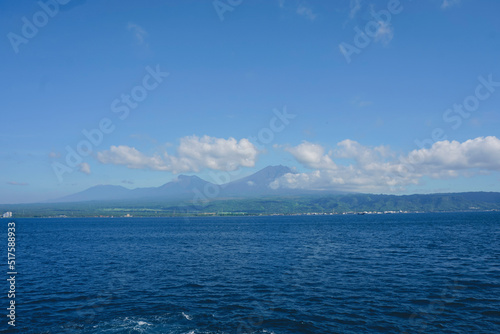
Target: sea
[{"x": 388, "y": 273}]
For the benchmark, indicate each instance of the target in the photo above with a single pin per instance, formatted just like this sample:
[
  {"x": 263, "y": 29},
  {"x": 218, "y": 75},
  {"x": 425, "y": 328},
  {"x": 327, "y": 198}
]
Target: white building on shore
[{"x": 7, "y": 214}]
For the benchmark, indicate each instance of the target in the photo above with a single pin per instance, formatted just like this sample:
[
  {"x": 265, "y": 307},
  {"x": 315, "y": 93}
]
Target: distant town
[
  {"x": 227, "y": 214},
  {"x": 7, "y": 214}
]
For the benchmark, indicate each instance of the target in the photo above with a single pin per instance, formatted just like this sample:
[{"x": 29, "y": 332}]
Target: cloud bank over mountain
[
  {"x": 348, "y": 166},
  {"x": 378, "y": 169}
]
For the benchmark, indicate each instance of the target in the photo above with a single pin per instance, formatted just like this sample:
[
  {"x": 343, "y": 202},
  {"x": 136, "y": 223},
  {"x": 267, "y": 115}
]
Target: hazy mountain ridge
[
  {"x": 97, "y": 193},
  {"x": 185, "y": 186}
]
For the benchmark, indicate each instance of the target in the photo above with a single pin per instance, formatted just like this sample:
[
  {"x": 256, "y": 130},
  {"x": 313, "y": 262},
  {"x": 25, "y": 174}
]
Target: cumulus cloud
[
  {"x": 130, "y": 157},
  {"x": 363, "y": 155},
  {"x": 193, "y": 154},
  {"x": 312, "y": 156},
  {"x": 85, "y": 168},
  {"x": 378, "y": 169},
  {"x": 449, "y": 158},
  {"x": 218, "y": 153}
]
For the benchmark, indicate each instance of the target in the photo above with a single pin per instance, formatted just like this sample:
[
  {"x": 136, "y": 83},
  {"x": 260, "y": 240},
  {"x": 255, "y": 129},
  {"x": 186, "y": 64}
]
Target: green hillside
[{"x": 354, "y": 203}]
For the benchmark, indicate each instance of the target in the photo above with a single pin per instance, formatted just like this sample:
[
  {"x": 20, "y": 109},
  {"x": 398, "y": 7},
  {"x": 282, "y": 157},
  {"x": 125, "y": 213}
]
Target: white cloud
[
  {"x": 312, "y": 156},
  {"x": 130, "y": 157},
  {"x": 85, "y": 168},
  {"x": 306, "y": 12},
  {"x": 218, "y": 153},
  {"x": 378, "y": 169},
  {"x": 193, "y": 154},
  {"x": 363, "y": 155},
  {"x": 447, "y": 157},
  {"x": 138, "y": 32}
]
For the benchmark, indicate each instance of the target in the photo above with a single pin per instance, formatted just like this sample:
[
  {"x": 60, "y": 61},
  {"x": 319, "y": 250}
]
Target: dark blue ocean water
[{"x": 414, "y": 273}]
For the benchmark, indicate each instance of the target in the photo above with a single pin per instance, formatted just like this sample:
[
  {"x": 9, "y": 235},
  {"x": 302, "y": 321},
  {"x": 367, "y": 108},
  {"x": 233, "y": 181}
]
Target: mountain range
[
  {"x": 251, "y": 194},
  {"x": 186, "y": 187}
]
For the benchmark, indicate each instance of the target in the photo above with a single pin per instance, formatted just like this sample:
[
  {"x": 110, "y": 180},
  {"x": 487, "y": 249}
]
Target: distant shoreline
[
  {"x": 248, "y": 215},
  {"x": 353, "y": 204}
]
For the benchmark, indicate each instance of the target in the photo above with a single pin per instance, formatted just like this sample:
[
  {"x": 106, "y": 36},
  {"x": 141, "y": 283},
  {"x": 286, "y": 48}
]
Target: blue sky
[{"x": 350, "y": 97}]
